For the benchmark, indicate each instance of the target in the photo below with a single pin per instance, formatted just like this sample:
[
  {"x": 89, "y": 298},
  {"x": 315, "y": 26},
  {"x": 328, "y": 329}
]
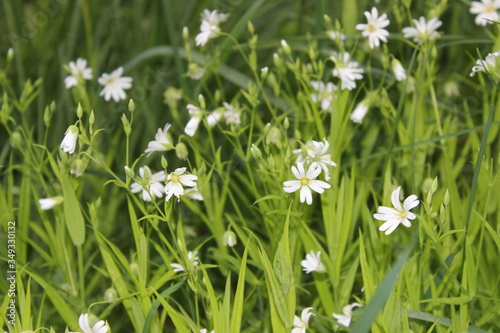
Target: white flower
[
  {"x": 345, "y": 318},
  {"x": 346, "y": 70},
  {"x": 305, "y": 182},
  {"x": 316, "y": 153},
  {"x": 423, "y": 30},
  {"x": 488, "y": 64},
  {"x": 150, "y": 184},
  {"x": 398, "y": 69},
  {"x": 336, "y": 36},
  {"x": 195, "y": 71},
  {"x": 374, "y": 29},
  {"x": 214, "y": 117},
  {"x": 204, "y": 330},
  {"x": 49, "y": 203},
  {"x": 323, "y": 94},
  {"x": 192, "y": 260},
  {"x": 229, "y": 239},
  {"x": 312, "y": 263},
  {"x": 232, "y": 114},
  {"x": 84, "y": 323},
  {"x": 68, "y": 144},
  {"x": 486, "y": 11},
  {"x": 300, "y": 325},
  {"x": 175, "y": 181},
  {"x": 193, "y": 193},
  {"x": 194, "y": 122},
  {"x": 115, "y": 85},
  {"x": 78, "y": 70},
  {"x": 209, "y": 28},
  {"x": 397, "y": 215},
  {"x": 359, "y": 112},
  {"x": 162, "y": 141}
]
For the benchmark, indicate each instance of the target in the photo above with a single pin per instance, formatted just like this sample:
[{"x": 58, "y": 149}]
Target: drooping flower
[
  {"x": 150, "y": 184},
  {"x": 194, "y": 122},
  {"x": 359, "y": 112},
  {"x": 423, "y": 30},
  {"x": 315, "y": 152},
  {"x": 68, "y": 144},
  {"x": 400, "y": 214},
  {"x": 305, "y": 182},
  {"x": 49, "y": 203},
  {"x": 214, "y": 117},
  {"x": 344, "y": 319},
  {"x": 229, "y": 239},
  {"x": 312, "y": 263},
  {"x": 300, "y": 325},
  {"x": 486, "y": 11},
  {"x": 162, "y": 141},
  {"x": 323, "y": 94},
  {"x": 78, "y": 70},
  {"x": 374, "y": 28},
  {"x": 347, "y": 71},
  {"x": 99, "y": 327},
  {"x": 398, "y": 70},
  {"x": 232, "y": 114},
  {"x": 193, "y": 193},
  {"x": 192, "y": 260},
  {"x": 488, "y": 64},
  {"x": 115, "y": 85},
  {"x": 175, "y": 182},
  {"x": 209, "y": 28}
]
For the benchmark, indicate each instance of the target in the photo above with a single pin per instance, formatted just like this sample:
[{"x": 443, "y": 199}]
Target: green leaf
[{"x": 72, "y": 212}]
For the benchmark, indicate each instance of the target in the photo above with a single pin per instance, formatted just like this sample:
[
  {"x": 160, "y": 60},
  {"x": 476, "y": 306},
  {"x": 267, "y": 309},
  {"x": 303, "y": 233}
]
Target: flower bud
[
  {"x": 77, "y": 167},
  {"x": 79, "y": 111},
  {"x": 131, "y": 105},
  {"x": 126, "y": 125},
  {"x": 164, "y": 162},
  {"x": 446, "y": 198},
  {"x": 129, "y": 172},
  {"x": 286, "y": 47},
  {"x": 185, "y": 33},
  {"x": 181, "y": 151},
  {"x": 16, "y": 140},
  {"x": 250, "y": 27},
  {"x": 10, "y": 54},
  {"x": 110, "y": 295},
  {"x": 263, "y": 73},
  {"x": 256, "y": 153},
  {"x": 201, "y": 100}
]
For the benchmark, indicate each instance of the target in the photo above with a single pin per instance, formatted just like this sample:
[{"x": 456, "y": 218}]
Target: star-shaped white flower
[
  {"x": 99, "y": 327},
  {"x": 162, "y": 141},
  {"x": 193, "y": 123},
  {"x": 192, "y": 260},
  {"x": 344, "y": 319},
  {"x": 315, "y": 152},
  {"x": 374, "y": 28},
  {"x": 114, "y": 85},
  {"x": 305, "y": 182},
  {"x": 68, "y": 144},
  {"x": 150, "y": 184},
  {"x": 300, "y": 325},
  {"x": 486, "y": 11},
  {"x": 323, "y": 94},
  {"x": 175, "y": 182},
  {"x": 400, "y": 214},
  {"x": 209, "y": 28},
  {"x": 347, "y": 71},
  {"x": 423, "y": 30},
  {"x": 488, "y": 64},
  {"x": 312, "y": 263},
  {"x": 78, "y": 70}
]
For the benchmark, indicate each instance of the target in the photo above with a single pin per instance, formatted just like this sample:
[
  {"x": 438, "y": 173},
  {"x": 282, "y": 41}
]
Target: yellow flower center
[
  {"x": 402, "y": 214},
  {"x": 371, "y": 28},
  {"x": 325, "y": 95},
  {"x": 110, "y": 80},
  {"x": 490, "y": 9},
  {"x": 175, "y": 178},
  {"x": 304, "y": 181}
]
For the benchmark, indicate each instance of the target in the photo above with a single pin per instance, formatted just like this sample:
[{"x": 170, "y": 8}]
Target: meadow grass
[{"x": 234, "y": 261}]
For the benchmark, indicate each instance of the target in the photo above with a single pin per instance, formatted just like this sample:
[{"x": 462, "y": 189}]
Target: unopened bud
[
  {"x": 256, "y": 153},
  {"x": 92, "y": 118},
  {"x": 129, "y": 172},
  {"x": 110, "y": 295},
  {"x": 10, "y": 54},
  {"x": 201, "y": 100},
  {"x": 131, "y": 105},
  {"x": 185, "y": 33},
  {"x": 79, "y": 111},
  {"x": 250, "y": 27},
  {"x": 446, "y": 198},
  {"x": 229, "y": 239},
  {"x": 164, "y": 162},
  {"x": 126, "y": 125},
  {"x": 16, "y": 140},
  {"x": 286, "y": 47},
  {"x": 181, "y": 151},
  {"x": 263, "y": 73}
]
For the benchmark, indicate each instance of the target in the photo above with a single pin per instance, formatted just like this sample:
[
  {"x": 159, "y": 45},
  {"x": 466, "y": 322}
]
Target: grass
[{"x": 106, "y": 251}]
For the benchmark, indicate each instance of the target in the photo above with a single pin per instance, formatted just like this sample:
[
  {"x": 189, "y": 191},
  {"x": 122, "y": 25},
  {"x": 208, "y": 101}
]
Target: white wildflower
[
  {"x": 348, "y": 71},
  {"x": 374, "y": 28},
  {"x": 175, "y": 182},
  {"x": 300, "y": 325},
  {"x": 162, "y": 141},
  {"x": 114, "y": 85},
  {"x": 423, "y": 30},
  {"x": 49, "y": 203},
  {"x": 323, "y": 94},
  {"x": 192, "y": 125},
  {"x": 312, "y": 263},
  {"x": 400, "y": 214},
  {"x": 68, "y": 144},
  {"x": 209, "y": 28},
  {"x": 488, "y": 64},
  {"x": 344, "y": 319},
  {"x": 78, "y": 70},
  {"x": 99, "y": 327},
  {"x": 486, "y": 11},
  {"x": 305, "y": 182},
  {"x": 192, "y": 262},
  {"x": 150, "y": 184}
]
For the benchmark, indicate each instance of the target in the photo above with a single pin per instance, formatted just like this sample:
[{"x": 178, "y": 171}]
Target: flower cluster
[
  {"x": 152, "y": 184},
  {"x": 114, "y": 84}
]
